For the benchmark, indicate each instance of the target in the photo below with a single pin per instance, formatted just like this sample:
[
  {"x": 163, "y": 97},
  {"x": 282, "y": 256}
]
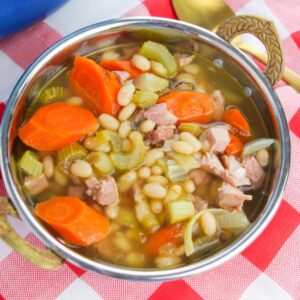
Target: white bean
[
  {"x": 141, "y": 62},
  {"x": 127, "y": 111},
  {"x": 110, "y": 54},
  {"x": 124, "y": 129},
  {"x": 112, "y": 211},
  {"x": 109, "y": 122},
  {"x": 156, "y": 170},
  {"x": 147, "y": 126},
  {"x": 156, "y": 206},
  {"x": 126, "y": 181},
  {"x": 262, "y": 157},
  {"x": 191, "y": 139},
  {"x": 158, "y": 68},
  {"x": 166, "y": 261},
  {"x": 186, "y": 77},
  {"x": 154, "y": 190},
  {"x": 135, "y": 259},
  {"x": 60, "y": 178},
  {"x": 158, "y": 179},
  {"x": 182, "y": 147},
  {"x": 152, "y": 156},
  {"x": 81, "y": 169},
  {"x": 121, "y": 242},
  {"x": 189, "y": 186},
  {"x": 144, "y": 172},
  {"x": 48, "y": 164},
  {"x": 208, "y": 224},
  {"x": 125, "y": 94},
  {"x": 74, "y": 100},
  {"x": 173, "y": 193}
]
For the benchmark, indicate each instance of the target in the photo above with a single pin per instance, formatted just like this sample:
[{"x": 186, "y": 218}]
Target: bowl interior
[{"x": 90, "y": 42}]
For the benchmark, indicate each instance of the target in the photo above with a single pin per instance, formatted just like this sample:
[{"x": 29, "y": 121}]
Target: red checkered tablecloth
[{"x": 268, "y": 269}]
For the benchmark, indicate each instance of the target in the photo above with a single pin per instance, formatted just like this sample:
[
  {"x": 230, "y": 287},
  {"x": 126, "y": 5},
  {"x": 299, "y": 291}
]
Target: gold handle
[{"x": 266, "y": 32}]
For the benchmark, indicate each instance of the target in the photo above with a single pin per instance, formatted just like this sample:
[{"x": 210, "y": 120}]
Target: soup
[{"x": 143, "y": 156}]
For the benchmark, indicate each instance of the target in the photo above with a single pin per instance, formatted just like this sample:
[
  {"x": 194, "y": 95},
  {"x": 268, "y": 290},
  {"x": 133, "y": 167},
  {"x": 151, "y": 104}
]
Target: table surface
[{"x": 268, "y": 269}]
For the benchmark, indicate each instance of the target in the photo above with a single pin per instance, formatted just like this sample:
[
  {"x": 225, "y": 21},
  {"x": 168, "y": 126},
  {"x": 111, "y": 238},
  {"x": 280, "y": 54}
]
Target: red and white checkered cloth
[{"x": 268, "y": 269}]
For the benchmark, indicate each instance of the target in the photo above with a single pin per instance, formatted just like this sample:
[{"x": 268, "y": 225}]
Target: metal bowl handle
[{"x": 266, "y": 32}]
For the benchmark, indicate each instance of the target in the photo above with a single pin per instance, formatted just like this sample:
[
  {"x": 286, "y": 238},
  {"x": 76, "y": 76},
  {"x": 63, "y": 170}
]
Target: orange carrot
[
  {"x": 236, "y": 119},
  {"x": 189, "y": 106},
  {"x": 95, "y": 85},
  {"x": 56, "y": 125},
  {"x": 235, "y": 146},
  {"x": 75, "y": 221},
  {"x": 168, "y": 234},
  {"x": 121, "y": 65}
]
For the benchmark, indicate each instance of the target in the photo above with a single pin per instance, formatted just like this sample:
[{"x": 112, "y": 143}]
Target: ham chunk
[
  {"x": 254, "y": 171},
  {"x": 210, "y": 163},
  {"x": 160, "y": 115},
  {"x": 76, "y": 191},
  {"x": 200, "y": 177},
  {"x": 200, "y": 204},
  {"x": 162, "y": 133},
  {"x": 231, "y": 198},
  {"x": 104, "y": 192},
  {"x": 235, "y": 174},
  {"x": 219, "y": 104},
  {"x": 218, "y": 139}
]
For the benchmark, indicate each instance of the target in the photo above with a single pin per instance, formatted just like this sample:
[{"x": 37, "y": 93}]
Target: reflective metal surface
[{"x": 87, "y": 41}]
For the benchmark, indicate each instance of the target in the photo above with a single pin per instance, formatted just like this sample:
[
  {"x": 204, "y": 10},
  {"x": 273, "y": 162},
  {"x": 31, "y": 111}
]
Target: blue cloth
[{"x": 15, "y": 15}]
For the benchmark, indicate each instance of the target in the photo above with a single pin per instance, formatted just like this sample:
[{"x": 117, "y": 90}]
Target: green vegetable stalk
[{"x": 43, "y": 258}]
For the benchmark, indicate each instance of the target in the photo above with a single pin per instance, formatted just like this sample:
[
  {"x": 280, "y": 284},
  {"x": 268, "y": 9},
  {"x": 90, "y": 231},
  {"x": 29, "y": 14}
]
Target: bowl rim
[{"x": 147, "y": 274}]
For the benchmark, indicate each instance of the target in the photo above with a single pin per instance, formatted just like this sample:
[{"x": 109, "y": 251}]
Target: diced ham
[
  {"x": 210, "y": 163},
  {"x": 200, "y": 204},
  {"x": 218, "y": 138},
  {"x": 36, "y": 185},
  {"x": 219, "y": 104},
  {"x": 254, "y": 171},
  {"x": 184, "y": 59},
  {"x": 160, "y": 115},
  {"x": 104, "y": 192},
  {"x": 162, "y": 133},
  {"x": 235, "y": 174},
  {"x": 76, "y": 191},
  {"x": 231, "y": 198},
  {"x": 200, "y": 177}
]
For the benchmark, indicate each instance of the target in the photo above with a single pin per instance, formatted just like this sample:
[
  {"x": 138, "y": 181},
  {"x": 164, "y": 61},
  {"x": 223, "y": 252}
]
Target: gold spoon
[{"x": 210, "y": 14}]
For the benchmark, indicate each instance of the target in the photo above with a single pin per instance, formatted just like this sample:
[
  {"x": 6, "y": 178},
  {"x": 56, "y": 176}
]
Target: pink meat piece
[
  {"x": 254, "y": 171},
  {"x": 218, "y": 138},
  {"x": 219, "y": 104},
  {"x": 235, "y": 174},
  {"x": 162, "y": 133},
  {"x": 199, "y": 176},
  {"x": 76, "y": 191},
  {"x": 231, "y": 198},
  {"x": 104, "y": 191},
  {"x": 160, "y": 115},
  {"x": 210, "y": 163},
  {"x": 200, "y": 204},
  {"x": 184, "y": 59},
  {"x": 139, "y": 117}
]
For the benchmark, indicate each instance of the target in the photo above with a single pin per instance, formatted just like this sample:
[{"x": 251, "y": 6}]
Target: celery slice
[
  {"x": 144, "y": 99},
  {"x": 150, "y": 82},
  {"x": 128, "y": 161},
  {"x": 68, "y": 154},
  {"x": 50, "y": 94},
  {"x": 232, "y": 221},
  {"x": 30, "y": 164},
  {"x": 256, "y": 145},
  {"x": 180, "y": 210},
  {"x": 187, "y": 162},
  {"x": 109, "y": 136},
  {"x": 193, "y": 128},
  {"x": 101, "y": 163},
  {"x": 159, "y": 53},
  {"x": 146, "y": 218},
  {"x": 174, "y": 171}
]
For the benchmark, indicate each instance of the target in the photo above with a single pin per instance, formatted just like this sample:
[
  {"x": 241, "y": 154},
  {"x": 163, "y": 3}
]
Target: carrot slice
[
  {"x": 168, "y": 234},
  {"x": 235, "y": 146},
  {"x": 235, "y": 118},
  {"x": 95, "y": 85},
  {"x": 121, "y": 65},
  {"x": 75, "y": 221},
  {"x": 189, "y": 106},
  {"x": 56, "y": 125}
]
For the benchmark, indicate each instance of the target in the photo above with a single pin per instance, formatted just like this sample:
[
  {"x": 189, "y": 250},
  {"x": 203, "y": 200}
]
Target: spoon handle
[{"x": 288, "y": 75}]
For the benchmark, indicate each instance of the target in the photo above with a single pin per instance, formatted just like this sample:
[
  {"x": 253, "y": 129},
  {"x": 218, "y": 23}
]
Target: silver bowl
[{"x": 87, "y": 41}]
